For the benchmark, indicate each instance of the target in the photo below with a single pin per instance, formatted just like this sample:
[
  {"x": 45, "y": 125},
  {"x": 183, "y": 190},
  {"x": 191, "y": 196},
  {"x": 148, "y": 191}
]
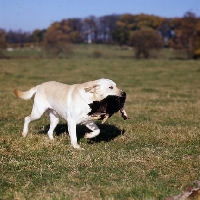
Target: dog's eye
[{"x": 111, "y": 87}]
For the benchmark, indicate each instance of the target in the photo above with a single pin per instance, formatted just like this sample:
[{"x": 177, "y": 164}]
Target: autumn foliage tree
[
  {"x": 185, "y": 33},
  {"x": 196, "y": 42},
  {"x": 2, "y": 41},
  {"x": 139, "y": 31},
  {"x": 54, "y": 40},
  {"x": 144, "y": 41},
  {"x": 60, "y": 36},
  {"x": 127, "y": 24}
]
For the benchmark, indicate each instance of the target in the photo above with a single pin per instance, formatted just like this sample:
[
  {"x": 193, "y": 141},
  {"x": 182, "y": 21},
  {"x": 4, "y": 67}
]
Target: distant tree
[
  {"x": 90, "y": 27},
  {"x": 125, "y": 25},
  {"x": 149, "y": 21},
  {"x": 99, "y": 30},
  {"x": 107, "y": 25},
  {"x": 144, "y": 41},
  {"x": 54, "y": 43},
  {"x": 188, "y": 32},
  {"x": 59, "y": 37},
  {"x": 185, "y": 31},
  {"x": 166, "y": 30},
  {"x": 120, "y": 36},
  {"x": 128, "y": 23},
  {"x": 196, "y": 41},
  {"x": 72, "y": 27},
  {"x": 38, "y": 35},
  {"x": 2, "y": 42},
  {"x": 18, "y": 37},
  {"x": 2, "y": 39}
]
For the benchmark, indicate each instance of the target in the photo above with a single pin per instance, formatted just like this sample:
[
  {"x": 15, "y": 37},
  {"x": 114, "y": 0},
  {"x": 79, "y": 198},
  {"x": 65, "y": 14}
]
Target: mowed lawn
[{"x": 153, "y": 155}]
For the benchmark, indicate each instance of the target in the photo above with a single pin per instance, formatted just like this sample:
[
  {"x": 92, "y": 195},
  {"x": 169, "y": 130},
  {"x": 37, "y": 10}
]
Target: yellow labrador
[{"x": 70, "y": 102}]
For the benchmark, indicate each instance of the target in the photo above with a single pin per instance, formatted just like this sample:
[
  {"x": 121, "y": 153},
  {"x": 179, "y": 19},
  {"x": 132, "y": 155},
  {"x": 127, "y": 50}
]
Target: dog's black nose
[{"x": 123, "y": 94}]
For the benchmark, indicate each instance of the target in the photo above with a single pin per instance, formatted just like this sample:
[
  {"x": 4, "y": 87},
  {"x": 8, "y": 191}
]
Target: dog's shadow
[{"x": 107, "y": 132}]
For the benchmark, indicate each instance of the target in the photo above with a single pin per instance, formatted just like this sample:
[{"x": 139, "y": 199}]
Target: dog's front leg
[
  {"x": 94, "y": 128},
  {"x": 72, "y": 134}
]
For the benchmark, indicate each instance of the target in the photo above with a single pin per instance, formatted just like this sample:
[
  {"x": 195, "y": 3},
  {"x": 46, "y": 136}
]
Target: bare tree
[
  {"x": 91, "y": 30},
  {"x": 107, "y": 26}
]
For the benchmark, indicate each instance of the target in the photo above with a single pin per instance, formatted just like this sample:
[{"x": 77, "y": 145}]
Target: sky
[{"x": 28, "y": 15}]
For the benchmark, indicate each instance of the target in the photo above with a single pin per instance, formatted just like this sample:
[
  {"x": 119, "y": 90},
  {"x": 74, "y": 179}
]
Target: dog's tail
[{"x": 26, "y": 95}]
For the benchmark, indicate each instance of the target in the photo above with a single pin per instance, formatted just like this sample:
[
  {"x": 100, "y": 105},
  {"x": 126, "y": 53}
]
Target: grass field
[{"x": 153, "y": 155}]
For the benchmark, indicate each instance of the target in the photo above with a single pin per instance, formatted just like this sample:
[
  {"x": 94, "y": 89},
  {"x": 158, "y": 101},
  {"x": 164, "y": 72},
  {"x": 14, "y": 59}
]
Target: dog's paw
[
  {"x": 24, "y": 134},
  {"x": 90, "y": 135},
  {"x": 78, "y": 147},
  {"x": 87, "y": 135},
  {"x": 51, "y": 137}
]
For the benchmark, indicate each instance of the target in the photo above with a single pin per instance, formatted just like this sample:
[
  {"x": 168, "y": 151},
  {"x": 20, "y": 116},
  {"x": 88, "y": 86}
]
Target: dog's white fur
[{"x": 70, "y": 102}]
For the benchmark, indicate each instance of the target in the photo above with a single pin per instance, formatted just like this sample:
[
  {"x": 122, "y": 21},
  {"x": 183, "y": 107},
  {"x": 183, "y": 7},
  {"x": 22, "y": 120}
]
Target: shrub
[{"x": 144, "y": 41}]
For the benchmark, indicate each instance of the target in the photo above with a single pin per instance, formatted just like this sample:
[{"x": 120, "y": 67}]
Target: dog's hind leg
[
  {"x": 35, "y": 114},
  {"x": 94, "y": 128},
  {"x": 54, "y": 120}
]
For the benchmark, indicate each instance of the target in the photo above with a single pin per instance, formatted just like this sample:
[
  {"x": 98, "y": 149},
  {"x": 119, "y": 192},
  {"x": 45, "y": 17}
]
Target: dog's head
[
  {"x": 108, "y": 99},
  {"x": 102, "y": 88}
]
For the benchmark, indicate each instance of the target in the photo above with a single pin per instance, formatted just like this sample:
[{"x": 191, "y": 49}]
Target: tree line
[{"x": 144, "y": 32}]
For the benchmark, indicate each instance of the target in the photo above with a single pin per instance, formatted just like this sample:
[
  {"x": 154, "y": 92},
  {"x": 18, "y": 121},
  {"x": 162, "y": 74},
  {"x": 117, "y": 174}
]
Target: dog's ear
[{"x": 92, "y": 89}]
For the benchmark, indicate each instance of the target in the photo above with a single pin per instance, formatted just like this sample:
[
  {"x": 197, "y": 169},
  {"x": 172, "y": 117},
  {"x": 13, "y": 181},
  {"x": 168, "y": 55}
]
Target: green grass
[{"x": 153, "y": 155}]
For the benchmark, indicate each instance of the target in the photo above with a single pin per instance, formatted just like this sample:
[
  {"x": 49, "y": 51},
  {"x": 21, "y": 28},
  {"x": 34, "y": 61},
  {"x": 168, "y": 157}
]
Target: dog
[{"x": 74, "y": 103}]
